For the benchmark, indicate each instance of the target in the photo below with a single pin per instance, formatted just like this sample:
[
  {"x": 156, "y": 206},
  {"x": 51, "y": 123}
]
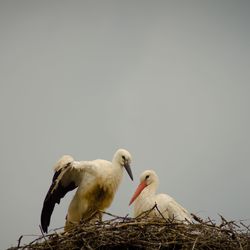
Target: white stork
[
  {"x": 145, "y": 199},
  {"x": 97, "y": 183}
]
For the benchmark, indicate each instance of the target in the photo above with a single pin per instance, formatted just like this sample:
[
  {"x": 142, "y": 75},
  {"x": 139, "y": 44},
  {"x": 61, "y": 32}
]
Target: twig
[
  {"x": 45, "y": 238},
  {"x": 195, "y": 242},
  {"x": 19, "y": 241},
  {"x": 245, "y": 226},
  {"x": 160, "y": 212},
  {"x": 115, "y": 216},
  {"x": 197, "y": 218},
  {"x": 145, "y": 213}
]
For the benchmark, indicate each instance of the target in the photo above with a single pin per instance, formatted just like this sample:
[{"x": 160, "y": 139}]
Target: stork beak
[
  {"x": 141, "y": 186},
  {"x": 128, "y": 169}
]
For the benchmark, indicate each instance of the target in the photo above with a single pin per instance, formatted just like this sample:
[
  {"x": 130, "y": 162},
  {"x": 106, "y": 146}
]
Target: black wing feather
[{"x": 54, "y": 196}]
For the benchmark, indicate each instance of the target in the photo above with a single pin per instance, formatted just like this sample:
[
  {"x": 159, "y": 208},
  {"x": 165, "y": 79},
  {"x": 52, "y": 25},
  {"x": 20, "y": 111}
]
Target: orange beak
[{"x": 141, "y": 186}]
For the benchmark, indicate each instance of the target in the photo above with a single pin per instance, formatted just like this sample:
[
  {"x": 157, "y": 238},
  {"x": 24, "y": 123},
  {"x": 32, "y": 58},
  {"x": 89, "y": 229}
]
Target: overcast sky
[{"x": 167, "y": 80}]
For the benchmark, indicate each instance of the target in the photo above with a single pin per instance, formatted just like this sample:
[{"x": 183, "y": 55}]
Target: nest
[{"x": 146, "y": 233}]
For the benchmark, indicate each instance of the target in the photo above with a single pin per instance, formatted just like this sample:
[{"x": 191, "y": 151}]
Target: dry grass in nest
[{"x": 146, "y": 233}]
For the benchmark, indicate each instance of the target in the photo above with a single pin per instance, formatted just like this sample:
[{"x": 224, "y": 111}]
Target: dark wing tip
[
  {"x": 53, "y": 196},
  {"x": 56, "y": 191},
  {"x": 49, "y": 202},
  {"x": 44, "y": 221},
  {"x": 48, "y": 207}
]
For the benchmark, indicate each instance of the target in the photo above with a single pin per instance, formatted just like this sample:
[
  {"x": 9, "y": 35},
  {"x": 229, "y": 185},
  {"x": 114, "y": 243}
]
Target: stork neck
[
  {"x": 117, "y": 173},
  {"x": 118, "y": 169},
  {"x": 150, "y": 189}
]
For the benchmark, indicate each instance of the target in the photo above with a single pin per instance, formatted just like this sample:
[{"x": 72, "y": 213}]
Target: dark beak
[{"x": 128, "y": 169}]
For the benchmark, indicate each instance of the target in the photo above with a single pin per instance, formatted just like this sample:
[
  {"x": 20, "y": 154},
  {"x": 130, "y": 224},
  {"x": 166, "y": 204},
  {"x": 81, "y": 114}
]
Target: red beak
[{"x": 141, "y": 186}]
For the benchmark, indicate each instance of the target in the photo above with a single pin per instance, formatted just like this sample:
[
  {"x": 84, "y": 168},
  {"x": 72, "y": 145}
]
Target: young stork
[
  {"x": 97, "y": 183},
  {"x": 145, "y": 199}
]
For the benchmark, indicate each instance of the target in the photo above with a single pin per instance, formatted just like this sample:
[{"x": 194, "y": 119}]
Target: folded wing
[{"x": 177, "y": 211}]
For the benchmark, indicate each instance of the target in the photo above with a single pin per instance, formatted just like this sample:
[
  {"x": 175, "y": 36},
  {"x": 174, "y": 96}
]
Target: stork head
[
  {"x": 123, "y": 157},
  {"x": 147, "y": 178}
]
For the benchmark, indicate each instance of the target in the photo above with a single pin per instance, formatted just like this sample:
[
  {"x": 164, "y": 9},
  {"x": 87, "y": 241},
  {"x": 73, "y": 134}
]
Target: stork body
[
  {"x": 145, "y": 198},
  {"x": 97, "y": 183}
]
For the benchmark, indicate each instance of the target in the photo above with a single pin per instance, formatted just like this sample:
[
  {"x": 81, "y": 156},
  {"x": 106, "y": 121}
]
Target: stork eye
[
  {"x": 147, "y": 177},
  {"x": 123, "y": 157}
]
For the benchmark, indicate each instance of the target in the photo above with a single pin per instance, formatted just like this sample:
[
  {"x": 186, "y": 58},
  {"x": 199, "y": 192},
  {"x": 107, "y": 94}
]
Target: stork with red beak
[
  {"x": 145, "y": 198},
  {"x": 97, "y": 183}
]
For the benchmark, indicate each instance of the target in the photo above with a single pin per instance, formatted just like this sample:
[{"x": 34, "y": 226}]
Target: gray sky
[{"x": 167, "y": 80}]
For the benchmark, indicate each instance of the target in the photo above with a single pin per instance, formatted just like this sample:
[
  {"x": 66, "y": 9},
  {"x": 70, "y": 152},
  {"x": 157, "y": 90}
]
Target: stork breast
[{"x": 99, "y": 196}]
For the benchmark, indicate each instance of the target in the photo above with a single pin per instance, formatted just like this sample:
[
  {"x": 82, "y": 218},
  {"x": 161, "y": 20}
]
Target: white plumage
[
  {"x": 97, "y": 183},
  {"x": 145, "y": 198}
]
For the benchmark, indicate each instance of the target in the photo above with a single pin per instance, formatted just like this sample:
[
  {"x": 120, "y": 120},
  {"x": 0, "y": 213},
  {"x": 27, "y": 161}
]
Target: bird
[
  {"x": 96, "y": 181},
  {"x": 145, "y": 198}
]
